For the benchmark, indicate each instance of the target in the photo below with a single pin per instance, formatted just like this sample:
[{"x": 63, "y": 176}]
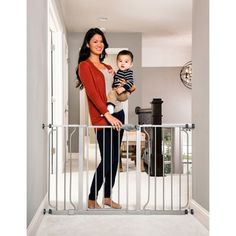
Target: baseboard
[
  {"x": 200, "y": 213},
  {"x": 38, "y": 217}
]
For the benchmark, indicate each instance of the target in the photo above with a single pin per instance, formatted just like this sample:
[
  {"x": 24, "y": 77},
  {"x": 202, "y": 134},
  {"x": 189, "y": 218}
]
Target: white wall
[
  {"x": 200, "y": 102},
  {"x": 36, "y": 105},
  {"x": 165, "y": 83},
  {"x": 169, "y": 51}
]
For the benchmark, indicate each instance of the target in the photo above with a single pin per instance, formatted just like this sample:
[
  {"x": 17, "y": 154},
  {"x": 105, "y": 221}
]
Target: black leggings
[{"x": 110, "y": 137}]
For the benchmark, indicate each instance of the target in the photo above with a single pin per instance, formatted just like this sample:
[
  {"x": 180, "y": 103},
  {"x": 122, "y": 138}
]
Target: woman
[{"x": 97, "y": 77}]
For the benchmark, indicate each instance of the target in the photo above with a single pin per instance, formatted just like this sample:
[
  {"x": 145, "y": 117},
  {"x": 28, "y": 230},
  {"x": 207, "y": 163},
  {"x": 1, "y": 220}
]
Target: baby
[{"x": 123, "y": 83}]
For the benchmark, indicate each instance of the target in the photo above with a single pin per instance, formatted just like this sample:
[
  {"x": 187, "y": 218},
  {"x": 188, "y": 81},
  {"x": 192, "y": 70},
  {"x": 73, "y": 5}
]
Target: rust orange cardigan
[{"x": 95, "y": 88}]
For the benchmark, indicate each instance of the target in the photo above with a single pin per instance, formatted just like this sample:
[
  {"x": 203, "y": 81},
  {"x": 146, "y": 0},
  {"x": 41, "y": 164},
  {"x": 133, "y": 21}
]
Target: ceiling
[{"x": 164, "y": 18}]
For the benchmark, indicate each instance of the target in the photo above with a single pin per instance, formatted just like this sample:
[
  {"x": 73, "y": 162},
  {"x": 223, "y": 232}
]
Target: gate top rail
[{"x": 127, "y": 127}]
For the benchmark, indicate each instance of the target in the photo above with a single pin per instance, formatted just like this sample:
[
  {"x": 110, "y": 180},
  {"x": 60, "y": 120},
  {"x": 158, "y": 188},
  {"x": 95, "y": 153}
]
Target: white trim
[
  {"x": 38, "y": 217},
  {"x": 59, "y": 41},
  {"x": 200, "y": 213},
  {"x": 55, "y": 15}
]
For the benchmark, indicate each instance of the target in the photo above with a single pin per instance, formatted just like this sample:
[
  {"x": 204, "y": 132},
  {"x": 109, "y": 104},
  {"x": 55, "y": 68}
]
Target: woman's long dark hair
[{"x": 85, "y": 51}]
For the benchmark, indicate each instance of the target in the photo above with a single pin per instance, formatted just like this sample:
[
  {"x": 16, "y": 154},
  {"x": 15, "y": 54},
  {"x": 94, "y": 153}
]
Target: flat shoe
[
  {"x": 110, "y": 203},
  {"x": 93, "y": 204}
]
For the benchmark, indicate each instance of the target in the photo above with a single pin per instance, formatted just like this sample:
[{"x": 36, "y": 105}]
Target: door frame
[{"x": 56, "y": 80}]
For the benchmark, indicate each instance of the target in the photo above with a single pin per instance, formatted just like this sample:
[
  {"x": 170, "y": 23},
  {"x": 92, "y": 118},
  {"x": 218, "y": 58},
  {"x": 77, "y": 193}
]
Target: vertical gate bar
[
  {"x": 96, "y": 162},
  {"x": 104, "y": 160},
  {"x": 65, "y": 167},
  {"x": 188, "y": 192},
  {"x": 52, "y": 147},
  {"x": 155, "y": 170},
  {"x": 49, "y": 163},
  {"x": 149, "y": 166},
  {"x": 56, "y": 168},
  {"x": 81, "y": 162},
  {"x": 171, "y": 165},
  {"x": 127, "y": 174},
  {"x": 70, "y": 184},
  {"x": 180, "y": 165},
  {"x": 49, "y": 174},
  {"x": 87, "y": 163},
  {"x": 163, "y": 170},
  {"x": 138, "y": 169},
  {"x": 119, "y": 160}
]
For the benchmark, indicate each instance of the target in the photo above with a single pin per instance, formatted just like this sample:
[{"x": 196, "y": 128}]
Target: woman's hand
[
  {"x": 111, "y": 71},
  {"x": 116, "y": 124}
]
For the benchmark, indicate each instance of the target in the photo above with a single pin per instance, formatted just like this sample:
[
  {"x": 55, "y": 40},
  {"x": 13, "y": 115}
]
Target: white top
[{"x": 108, "y": 81}]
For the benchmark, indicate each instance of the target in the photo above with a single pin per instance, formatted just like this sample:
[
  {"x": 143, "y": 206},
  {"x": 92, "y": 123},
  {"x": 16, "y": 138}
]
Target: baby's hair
[{"x": 125, "y": 52}]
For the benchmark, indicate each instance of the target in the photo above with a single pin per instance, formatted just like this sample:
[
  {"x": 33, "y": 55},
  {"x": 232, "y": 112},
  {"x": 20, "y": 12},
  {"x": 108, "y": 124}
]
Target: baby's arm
[{"x": 129, "y": 80}]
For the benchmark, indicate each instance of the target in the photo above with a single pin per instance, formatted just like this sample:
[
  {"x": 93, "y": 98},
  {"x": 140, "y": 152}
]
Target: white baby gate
[{"x": 156, "y": 182}]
